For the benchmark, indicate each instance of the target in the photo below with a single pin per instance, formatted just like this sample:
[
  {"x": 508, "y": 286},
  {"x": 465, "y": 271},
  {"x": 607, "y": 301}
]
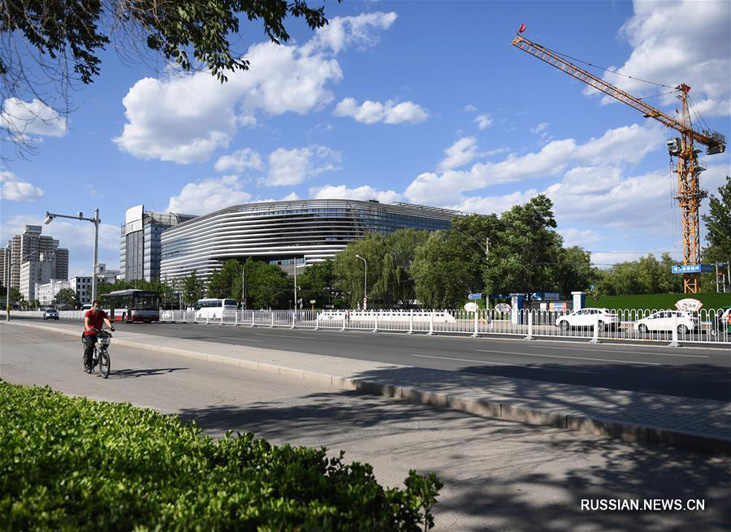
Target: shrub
[{"x": 76, "y": 464}]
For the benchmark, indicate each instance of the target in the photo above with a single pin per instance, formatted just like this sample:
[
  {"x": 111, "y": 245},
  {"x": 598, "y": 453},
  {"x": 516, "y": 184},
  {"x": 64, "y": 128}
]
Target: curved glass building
[{"x": 285, "y": 232}]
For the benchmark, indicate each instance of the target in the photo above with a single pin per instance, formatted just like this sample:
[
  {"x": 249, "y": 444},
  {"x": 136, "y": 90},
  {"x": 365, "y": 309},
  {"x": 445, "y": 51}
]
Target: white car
[
  {"x": 586, "y": 317},
  {"x": 667, "y": 320}
]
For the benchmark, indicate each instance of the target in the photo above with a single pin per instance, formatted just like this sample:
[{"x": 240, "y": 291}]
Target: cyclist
[{"x": 94, "y": 321}]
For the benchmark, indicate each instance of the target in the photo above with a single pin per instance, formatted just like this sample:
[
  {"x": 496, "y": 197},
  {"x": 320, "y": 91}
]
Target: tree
[
  {"x": 267, "y": 286},
  {"x": 49, "y": 46},
  {"x": 574, "y": 270},
  {"x": 226, "y": 282},
  {"x": 718, "y": 225},
  {"x": 66, "y": 297},
  {"x": 192, "y": 289},
  {"x": 317, "y": 283},
  {"x": 525, "y": 255},
  {"x": 644, "y": 276}
]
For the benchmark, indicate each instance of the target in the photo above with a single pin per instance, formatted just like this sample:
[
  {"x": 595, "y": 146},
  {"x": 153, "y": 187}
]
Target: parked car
[
  {"x": 667, "y": 320},
  {"x": 586, "y": 317},
  {"x": 50, "y": 314}
]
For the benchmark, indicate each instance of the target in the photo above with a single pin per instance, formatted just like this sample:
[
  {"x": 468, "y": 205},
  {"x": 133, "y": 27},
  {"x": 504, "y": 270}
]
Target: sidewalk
[{"x": 695, "y": 424}]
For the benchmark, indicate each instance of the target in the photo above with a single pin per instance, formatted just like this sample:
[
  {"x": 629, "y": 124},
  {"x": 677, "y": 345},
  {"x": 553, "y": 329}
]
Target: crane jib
[{"x": 715, "y": 142}]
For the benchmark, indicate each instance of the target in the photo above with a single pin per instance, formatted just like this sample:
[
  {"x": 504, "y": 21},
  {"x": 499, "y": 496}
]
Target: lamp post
[
  {"x": 295, "y": 280},
  {"x": 7, "y": 268},
  {"x": 96, "y": 221},
  {"x": 365, "y": 283}
]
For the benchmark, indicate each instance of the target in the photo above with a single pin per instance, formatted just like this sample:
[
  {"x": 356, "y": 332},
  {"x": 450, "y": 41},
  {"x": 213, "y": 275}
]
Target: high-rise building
[
  {"x": 30, "y": 246},
  {"x": 3, "y": 267},
  {"x": 140, "y": 247},
  {"x": 35, "y": 272}
]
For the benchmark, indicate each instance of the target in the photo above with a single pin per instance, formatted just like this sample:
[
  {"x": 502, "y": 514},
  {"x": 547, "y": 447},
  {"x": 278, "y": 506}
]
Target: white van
[{"x": 213, "y": 309}]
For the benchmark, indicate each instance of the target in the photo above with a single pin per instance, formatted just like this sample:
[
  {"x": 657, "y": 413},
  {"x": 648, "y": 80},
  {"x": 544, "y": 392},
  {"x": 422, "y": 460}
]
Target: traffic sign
[
  {"x": 692, "y": 268},
  {"x": 474, "y": 296}
]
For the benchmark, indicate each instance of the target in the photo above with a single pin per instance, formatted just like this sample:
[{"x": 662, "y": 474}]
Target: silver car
[{"x": 50, "y": 314}]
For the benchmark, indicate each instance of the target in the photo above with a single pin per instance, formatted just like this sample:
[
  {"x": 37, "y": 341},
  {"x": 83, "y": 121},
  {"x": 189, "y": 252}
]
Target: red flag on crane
[{"x": 522, "y": 28}]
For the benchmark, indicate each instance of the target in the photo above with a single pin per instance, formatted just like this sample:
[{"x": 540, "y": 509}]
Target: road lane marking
[
  {"x": 469, "y": 360},
  {"x": 619, "y": 351},
  {"x": 571, "y": 358},
  {"x": 240, "y": 338},
  {"x": 288, "y": 336}
]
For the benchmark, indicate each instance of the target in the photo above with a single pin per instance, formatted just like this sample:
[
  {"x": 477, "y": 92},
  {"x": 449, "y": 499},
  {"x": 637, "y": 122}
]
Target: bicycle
[{"x": 100, "y": 355}]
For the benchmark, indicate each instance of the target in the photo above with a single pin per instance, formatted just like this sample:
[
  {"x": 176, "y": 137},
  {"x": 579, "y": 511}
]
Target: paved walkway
[{"x": 631, "y": 416}]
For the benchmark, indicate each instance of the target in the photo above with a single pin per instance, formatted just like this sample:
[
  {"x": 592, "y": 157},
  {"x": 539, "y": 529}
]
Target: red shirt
[{"x": 96, "y": 320}]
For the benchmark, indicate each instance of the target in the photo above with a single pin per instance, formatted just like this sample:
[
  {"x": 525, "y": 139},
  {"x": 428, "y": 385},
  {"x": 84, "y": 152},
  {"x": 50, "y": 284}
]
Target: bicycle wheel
[{"x": 105, "y": 363}]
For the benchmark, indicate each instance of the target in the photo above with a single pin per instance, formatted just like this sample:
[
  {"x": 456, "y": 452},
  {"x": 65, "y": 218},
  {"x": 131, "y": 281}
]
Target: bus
[
  {"x": 211, "y": 308},
  {"x": 132, "y": 305}
]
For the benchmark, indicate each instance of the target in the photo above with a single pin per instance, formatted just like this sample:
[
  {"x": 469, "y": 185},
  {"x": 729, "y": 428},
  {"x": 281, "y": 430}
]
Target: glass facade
[
  {"x": 278, "y": 232},
  {"x": 140, "y": 249}
]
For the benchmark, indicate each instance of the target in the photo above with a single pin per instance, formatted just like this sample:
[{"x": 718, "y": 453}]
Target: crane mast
[{"x": 688, "y": 170}]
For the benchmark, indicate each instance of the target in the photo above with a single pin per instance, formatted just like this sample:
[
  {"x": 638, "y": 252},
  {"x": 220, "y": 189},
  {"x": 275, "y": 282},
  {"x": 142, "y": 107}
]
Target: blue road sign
[
  {"x": 474, "y": 296},
  {"x": 692, "y": 268}
]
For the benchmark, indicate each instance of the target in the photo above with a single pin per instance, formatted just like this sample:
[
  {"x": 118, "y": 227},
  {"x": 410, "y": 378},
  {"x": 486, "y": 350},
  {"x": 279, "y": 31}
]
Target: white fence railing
[{"x": 708, "y": 326}]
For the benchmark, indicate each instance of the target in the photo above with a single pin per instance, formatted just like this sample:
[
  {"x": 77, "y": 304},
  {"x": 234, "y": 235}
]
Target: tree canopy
[{"x": 718, "y": 225}]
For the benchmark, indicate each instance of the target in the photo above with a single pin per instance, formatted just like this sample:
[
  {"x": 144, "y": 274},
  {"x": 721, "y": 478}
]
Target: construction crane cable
[
  {"x": 697, "y": 113},
  {"x": 606, "y": 69}
]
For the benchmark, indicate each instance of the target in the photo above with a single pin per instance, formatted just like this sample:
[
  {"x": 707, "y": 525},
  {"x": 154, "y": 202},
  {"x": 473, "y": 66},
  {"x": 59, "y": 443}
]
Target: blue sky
[{"x": 414, "y": 101}]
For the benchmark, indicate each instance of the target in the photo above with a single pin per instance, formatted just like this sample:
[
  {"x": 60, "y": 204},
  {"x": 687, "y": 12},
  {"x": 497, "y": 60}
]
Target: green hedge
[
  {"x": 710, "y": 300},
  {"x": 76, "y": 464}
]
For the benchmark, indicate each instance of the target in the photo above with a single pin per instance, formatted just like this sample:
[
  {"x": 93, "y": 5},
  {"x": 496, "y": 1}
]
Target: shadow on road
[{"x": 135, "y": 373}]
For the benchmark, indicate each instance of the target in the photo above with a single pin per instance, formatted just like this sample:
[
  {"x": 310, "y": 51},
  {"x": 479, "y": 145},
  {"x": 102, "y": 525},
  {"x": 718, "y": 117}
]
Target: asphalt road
[
  {"x": 703, "y": 373},
  {"x": 498, "y": 475}
]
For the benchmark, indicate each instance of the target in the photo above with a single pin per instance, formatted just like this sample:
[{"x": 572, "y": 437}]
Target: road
[
  {"x": 703, "y": 373},
  {"x": 498, "y": 475}
]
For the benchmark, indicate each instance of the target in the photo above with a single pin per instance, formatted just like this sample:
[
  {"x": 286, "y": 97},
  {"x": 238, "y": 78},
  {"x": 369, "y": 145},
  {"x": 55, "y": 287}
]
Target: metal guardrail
[
  {"x": 707, "y": 328},
  {"x": 711, "y": 326}
]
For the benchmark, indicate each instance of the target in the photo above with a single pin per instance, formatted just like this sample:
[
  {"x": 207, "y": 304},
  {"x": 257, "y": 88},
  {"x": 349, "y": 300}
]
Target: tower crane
[{"x": 688, "y": 170}]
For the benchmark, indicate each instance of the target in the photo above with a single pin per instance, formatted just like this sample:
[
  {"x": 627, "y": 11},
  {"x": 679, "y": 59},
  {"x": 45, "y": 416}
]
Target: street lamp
[
  {"x": 365, "y": 283},
  {"x": 96, "y": 221},
  {"x": 295, "y": 280},
  {"x": 7, "y": 268}
]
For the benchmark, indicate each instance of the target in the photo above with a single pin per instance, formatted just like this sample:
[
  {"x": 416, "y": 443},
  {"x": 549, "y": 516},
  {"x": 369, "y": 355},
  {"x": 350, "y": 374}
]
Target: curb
[{"x": 594, "y": 426}]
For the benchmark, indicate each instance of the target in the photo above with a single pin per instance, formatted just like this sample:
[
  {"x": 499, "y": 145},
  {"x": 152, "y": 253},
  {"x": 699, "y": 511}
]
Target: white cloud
[
  {"x": 208, "y": 195},
  {"x": 680, "y": 42},
  {"x": 458, "y": 154},
  {"x": 239, "y": 161},
  {"x": 469, "y": 109},
  {"x": 483, "y": 121},
  {"x": 579, "y": 237},
  {"x": 617, "y": 146},
  {"x": 32, "y": 118},
  {"x": 539, "y": 128},
  {"x": 187, "y": 117},
  {"x": 13, "y": 189},
  {"x": 343, "y": 32},
  {"x": 291, "y": 167},
  {"x": 360, "y": 193},
  {"x": 389, "y": 113}
]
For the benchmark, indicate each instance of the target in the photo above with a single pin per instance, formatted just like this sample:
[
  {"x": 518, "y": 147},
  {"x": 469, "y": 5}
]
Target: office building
[
  {"x": 35, "y": 272},
  {"x": 282, "y": 232},
  {"x": 140, "y": 245},
  {"x": 30, "y": 246}
]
